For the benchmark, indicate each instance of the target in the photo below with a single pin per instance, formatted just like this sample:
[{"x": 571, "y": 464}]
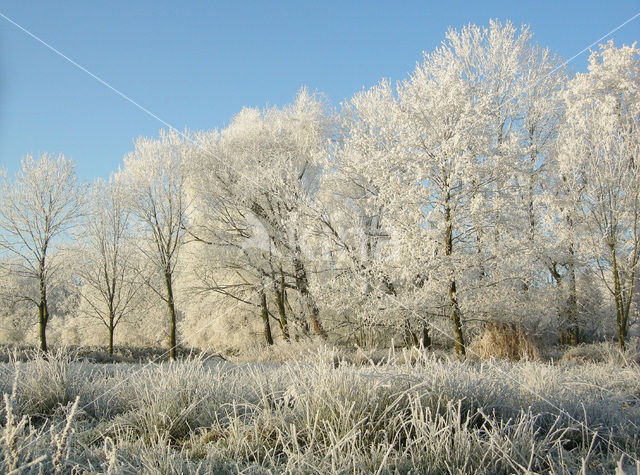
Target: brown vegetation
[{"x": 505, "y": 341}]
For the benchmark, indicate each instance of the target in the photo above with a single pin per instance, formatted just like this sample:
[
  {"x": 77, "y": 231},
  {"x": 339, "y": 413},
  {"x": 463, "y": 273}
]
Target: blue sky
[{"x": 196, "y": 64}]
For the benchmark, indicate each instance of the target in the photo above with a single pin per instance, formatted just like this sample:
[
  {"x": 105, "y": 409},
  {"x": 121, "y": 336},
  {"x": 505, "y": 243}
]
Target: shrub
[{"x": 505, "y": 341}]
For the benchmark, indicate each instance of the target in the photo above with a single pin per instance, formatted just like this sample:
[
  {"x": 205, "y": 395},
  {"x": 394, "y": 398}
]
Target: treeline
[{"x": 488, "y": 186}]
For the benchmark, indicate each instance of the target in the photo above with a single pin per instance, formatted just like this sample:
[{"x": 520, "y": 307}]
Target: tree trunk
[
  {"x": 572, "y": 300},
  {"x": 410, "y": 337},
  {"x": 617, "y": 294},
  {"x": 43, "y": 317},
  {"x": 265, "y": 318},
  {"x": 172, "y": 316},
  {"x": 111, "y": 330},
  {"x": 302, "y": 283},
  {"x": 458, "y": 336},
  {"x": 625, "y": 316},
  {"x": 43, "y": 310},
  {"x": 280, "y": 296},
  {"x": 426, "y": 338}
]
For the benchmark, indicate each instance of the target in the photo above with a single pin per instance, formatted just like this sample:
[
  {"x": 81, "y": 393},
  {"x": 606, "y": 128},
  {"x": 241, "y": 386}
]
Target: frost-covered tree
[
  {"x": 445, "y": 173},
  {"x": 482, "y": 188},
  {"x": 598, "y": 153},
  {"x": 352, "y": 221},
  {"x": 108, "y": 274},
  {"x": 155, "y": 177},
  {"x": 423, "y": 162},
  {"x": 222, "y": 258},
  {"x": 38, "y": 209},
  {"x": 519, "y": 85},
  {"x": 254, "y": 184}
]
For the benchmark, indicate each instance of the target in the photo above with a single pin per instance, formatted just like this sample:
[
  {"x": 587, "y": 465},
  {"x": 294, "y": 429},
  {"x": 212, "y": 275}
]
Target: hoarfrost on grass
[{"x": 320, "y": 414}]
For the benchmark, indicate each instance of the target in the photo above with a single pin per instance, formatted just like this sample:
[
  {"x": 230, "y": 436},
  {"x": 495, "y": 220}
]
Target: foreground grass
[{"x": 318, "y": 415}]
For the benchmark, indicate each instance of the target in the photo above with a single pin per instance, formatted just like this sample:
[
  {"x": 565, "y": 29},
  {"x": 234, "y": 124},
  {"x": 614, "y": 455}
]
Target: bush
[{"x": 505, "y": 341}]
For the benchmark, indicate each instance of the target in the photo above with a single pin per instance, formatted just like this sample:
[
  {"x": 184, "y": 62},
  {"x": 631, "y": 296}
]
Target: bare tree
[
  {"x": 110, "y": 287},
  {"x": 37, "y": 210}
]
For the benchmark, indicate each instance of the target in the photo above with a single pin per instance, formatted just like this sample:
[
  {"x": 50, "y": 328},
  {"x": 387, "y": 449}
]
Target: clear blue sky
[{"x": 196, "y": 64}]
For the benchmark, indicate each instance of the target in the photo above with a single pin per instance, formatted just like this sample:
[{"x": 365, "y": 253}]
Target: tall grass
[{"x": 323, "y": 413}]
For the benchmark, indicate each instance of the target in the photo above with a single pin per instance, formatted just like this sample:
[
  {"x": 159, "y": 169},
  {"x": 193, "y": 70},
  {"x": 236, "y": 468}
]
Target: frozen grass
[
  {"x": 603, "y": 353},
  {"x": 323, "y": 413},
  {"x": 98, "y": 354}
]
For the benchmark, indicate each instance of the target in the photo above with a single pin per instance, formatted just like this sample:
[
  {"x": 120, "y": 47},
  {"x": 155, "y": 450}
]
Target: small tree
[
  {"x": 37, "y": 209},
  {"x": 110, "y": 287}
]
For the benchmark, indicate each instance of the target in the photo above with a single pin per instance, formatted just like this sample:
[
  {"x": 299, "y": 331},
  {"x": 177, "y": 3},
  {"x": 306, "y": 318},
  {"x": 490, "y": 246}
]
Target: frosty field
[{"x": 410, "y": 413}]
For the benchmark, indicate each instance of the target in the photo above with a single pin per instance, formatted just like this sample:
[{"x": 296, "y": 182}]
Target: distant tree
[
  {"x": 17, "y": 295},
  {"x": 155, "y": 177},
  {"x": 38, "y": 208}
]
